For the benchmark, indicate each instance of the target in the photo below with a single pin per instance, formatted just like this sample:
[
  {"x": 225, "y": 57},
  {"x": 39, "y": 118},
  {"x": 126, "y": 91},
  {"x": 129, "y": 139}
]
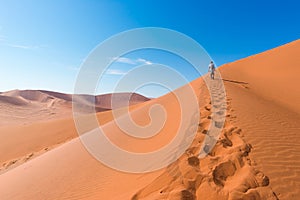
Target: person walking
[{"x": 211, "y": 69}]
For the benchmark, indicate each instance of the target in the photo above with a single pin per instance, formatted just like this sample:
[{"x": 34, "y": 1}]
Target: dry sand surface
[
  {"x": 265, "y": 95},
  {"x": 42, "y": 122},
  {"x": 256, "y": 157}
]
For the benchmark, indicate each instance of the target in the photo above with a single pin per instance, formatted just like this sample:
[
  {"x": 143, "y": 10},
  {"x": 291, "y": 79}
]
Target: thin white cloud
[
  {"x": 115, "y": 72},
  {"x": 23, "y": 46},
  {"x": 124, "y": 60},
  {"x": 132, "y": 61},
  {"x": 143, "y": 61}
]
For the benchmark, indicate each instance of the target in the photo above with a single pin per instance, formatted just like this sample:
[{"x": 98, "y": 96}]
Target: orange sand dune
[
  {"x": 35, "y": 137},
  {"x": 265, "y": 95},
  {"x": 256, "y": 156},
  {"x": 89, "y": 180},
  {"x": 26, "y": 141},
  {"x": 77, "y": 175},
  {"x": 272, "y": 75},
  {"x": 31, "y": 106}
]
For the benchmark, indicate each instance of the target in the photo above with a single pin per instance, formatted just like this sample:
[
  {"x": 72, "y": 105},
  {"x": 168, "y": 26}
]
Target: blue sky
[{"x": 43, "y": 43}]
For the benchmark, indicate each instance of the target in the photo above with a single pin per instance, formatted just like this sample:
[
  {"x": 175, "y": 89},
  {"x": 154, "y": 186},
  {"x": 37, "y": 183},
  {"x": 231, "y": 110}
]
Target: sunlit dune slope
[{"x": 265, "y": 95}]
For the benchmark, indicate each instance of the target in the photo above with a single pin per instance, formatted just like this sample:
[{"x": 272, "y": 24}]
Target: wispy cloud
[
  {"x": 143, "y": 61},
  {"x": 131, "y": 61},
  {"x": 115, "y": 72},
  {"x": 124, "y": 60},
  {"x": 29, "y": 47}
]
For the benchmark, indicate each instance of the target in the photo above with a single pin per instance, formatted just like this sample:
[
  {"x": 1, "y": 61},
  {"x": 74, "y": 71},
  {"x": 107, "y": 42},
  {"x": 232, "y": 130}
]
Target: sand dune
[
  {"x": 256, "y": 156},
  {"x": 265, "y": 99},
  {"x": 98, "y": 181},
  {"x": 25, "y": 142},
  {"x": 103, "y": 100},
  {"x": 31, "y": 128},
  {"x": 226, "y": 173},
  {"x": 73, "y": 158},
  {"x": 272, "y": 75},
  {"x": 30, "y": 106}
]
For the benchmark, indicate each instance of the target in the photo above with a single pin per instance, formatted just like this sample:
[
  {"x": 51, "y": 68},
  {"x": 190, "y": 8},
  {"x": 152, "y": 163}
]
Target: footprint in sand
[
  {"x": 222, "y": 171},
  {"x": 217, "y": 105},
  {"x": 207, "y": 108},
  {"x": 218, "y": 124},
  {"x": 187, "y": 195},
  {"x": 261, "y": 179},
  {"x": 220, "y": 112},
  {"x": 226, "y": 142},
  {"x": 193, "y": 161}
]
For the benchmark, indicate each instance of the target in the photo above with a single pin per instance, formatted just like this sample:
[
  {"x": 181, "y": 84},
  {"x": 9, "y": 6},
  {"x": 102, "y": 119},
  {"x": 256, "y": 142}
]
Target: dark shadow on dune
[{"x": 233, "y": 81}]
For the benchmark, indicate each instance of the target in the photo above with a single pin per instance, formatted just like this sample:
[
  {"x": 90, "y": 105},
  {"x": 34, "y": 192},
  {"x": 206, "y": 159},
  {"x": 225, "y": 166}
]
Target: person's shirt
[{"x": 211, "y": 67}]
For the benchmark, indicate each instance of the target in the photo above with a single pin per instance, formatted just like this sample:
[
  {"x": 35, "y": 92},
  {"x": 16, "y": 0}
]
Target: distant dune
[
  {"x": 256, "y": 157},
  {"x": 23, "y": 97},
  {"x": 27, "y": 106}
]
